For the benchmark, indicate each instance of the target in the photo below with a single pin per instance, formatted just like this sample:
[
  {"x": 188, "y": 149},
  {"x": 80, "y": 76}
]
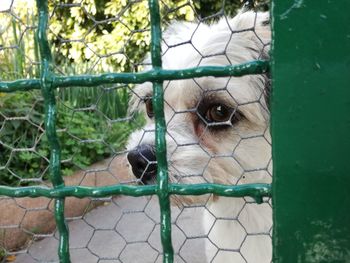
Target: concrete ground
[{"x": 125, "y": 230}]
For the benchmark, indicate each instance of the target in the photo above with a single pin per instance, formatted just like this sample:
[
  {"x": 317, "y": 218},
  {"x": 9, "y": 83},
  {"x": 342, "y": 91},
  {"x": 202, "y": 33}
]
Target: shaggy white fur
[{"x": 217, "y": 128}]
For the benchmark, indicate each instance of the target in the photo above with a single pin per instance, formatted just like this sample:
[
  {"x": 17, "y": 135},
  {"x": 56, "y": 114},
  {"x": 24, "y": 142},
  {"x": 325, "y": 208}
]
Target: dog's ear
[
  {"x": 257, "y": 27},
  {"x": 259, "y": 21},
  {"x": 178, "y": 32},
  {"x": 262, "y": 27}
]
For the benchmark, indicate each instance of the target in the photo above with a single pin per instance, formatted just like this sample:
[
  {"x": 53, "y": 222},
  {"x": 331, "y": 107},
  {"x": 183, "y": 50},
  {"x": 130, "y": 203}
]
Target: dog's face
[{"x": 217, "y": 128}]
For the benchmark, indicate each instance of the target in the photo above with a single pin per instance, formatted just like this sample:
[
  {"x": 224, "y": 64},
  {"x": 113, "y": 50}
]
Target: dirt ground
[{"x": 21, "y": 218}]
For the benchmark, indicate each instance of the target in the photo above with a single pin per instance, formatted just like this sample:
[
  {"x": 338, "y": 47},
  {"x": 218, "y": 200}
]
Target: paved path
[{"x": 125, "y": 230}]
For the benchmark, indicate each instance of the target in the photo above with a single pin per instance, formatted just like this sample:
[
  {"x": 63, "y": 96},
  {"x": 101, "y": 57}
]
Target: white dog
[{"x": 217, "y": 129}]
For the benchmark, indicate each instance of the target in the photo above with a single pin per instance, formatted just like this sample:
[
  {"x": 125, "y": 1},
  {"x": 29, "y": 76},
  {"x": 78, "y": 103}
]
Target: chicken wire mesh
[{"x": 216, "y": 133}]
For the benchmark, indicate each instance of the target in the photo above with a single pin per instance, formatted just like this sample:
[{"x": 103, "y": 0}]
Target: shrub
[{"x": 85, "y": 136}]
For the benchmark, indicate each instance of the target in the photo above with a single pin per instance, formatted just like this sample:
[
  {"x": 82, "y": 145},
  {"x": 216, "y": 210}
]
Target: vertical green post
[
  {"x": 311, "y": 131},
  {"x": 162, "y": 165},
  {"x": 50, "y": 127}
]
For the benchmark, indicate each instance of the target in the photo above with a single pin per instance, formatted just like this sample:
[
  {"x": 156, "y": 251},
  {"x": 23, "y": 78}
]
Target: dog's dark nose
[{"x": 143, "y": 162}]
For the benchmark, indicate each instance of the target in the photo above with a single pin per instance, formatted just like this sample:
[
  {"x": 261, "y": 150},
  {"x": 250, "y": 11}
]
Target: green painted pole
[
  {"x": 162, "y": 165},
  {"x": 310, "y": 131},
  {"x": 48, "y": 93}
]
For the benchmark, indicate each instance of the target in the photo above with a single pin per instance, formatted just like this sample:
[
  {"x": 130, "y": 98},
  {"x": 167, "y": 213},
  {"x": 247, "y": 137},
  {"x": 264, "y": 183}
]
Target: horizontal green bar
[
  {"x": 78, "y": 191},
  {"x": 19, "y": 85},
  {"x": 256, "y": 191},
  {"x": 254, "y": 67}
]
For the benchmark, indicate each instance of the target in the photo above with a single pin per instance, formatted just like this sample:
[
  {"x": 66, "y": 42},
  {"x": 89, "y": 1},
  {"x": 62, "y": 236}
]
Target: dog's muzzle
[{"x": 143, "y": 162}]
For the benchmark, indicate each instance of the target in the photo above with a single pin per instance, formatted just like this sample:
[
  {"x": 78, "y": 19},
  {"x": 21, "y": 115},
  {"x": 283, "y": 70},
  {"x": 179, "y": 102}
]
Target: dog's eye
[
  {"x": 218, "y": 113},
  {"x": 149, "y": 107}
]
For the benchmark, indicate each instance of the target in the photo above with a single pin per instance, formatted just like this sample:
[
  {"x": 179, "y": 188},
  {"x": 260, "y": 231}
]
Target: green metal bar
[
  {"x": 48, "y": 93},
  {"x": 162, "y": 164},
  {"x": 162, "y": 174},
  {"x": 256, "y": 191},
  {"x": 254, "y": 67},
  {"x": 19, "y": 85},
  {"x": 156, "y": 34},
  {"x": 78, "y": 191},
  {"x": 310, "y": 131}
]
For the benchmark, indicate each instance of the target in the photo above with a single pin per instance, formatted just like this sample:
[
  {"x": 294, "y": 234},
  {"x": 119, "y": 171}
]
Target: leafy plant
[
  {"x": 108, "y": 35},
  {"x": 85, "y": 136}
]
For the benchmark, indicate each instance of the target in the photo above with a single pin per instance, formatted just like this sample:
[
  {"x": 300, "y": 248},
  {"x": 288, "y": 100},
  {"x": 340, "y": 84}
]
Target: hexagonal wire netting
[{"x": 115, "y": 195}]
